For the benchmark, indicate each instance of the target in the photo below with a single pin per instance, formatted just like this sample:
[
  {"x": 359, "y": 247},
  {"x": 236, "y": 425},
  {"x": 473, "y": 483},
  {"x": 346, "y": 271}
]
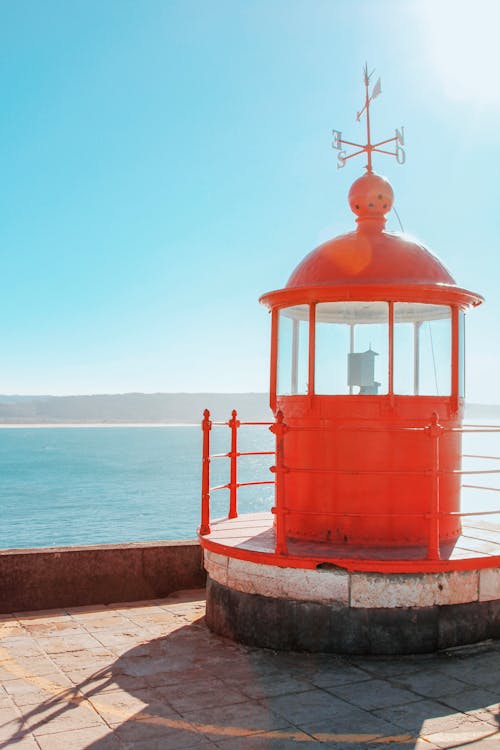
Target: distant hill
[
  {"x": 182, "y": 408},
  {"x": 170, "y": 408}
]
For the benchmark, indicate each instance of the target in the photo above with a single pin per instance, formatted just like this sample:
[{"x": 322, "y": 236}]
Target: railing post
[
  {"x": 206, "y": 426},
  {"x": 279, "y": 428},
  {"x": 434, "y": 431},
  {"x": 233, "y": 456}
]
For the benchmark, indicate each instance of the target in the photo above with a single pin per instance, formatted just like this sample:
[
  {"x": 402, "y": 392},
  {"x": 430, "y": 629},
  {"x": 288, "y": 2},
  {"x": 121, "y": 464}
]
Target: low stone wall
[{"x": 35, "y": 579}]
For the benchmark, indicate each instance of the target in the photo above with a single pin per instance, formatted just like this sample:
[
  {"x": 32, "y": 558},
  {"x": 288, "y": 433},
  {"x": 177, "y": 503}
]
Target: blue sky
[{"x": 164, "y": 163}]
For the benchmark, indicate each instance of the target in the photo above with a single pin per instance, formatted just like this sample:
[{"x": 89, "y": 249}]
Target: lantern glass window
[
  {"x": 422, "y": 349},
  {"x": 351, "y": 348},
  {"x": 293, "y": 350}
]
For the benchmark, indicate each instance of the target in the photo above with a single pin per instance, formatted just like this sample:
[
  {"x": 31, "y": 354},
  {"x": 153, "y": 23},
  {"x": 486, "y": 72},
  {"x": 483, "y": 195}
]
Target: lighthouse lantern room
[{"x": 363, "y": 550}]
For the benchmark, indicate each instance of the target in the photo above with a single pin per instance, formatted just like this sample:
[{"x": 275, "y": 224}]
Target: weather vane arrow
[{"x": 368, "y": 148}]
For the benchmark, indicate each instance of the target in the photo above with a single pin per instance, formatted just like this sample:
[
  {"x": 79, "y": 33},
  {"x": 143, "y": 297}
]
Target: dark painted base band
[{"x": 291, "y": 625}]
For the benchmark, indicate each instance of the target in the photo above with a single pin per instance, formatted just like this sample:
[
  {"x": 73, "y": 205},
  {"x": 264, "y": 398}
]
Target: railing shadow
[{"x": 191, "y": 688}]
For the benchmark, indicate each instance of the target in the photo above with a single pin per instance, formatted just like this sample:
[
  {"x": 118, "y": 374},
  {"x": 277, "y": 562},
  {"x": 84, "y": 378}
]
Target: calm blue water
[{"x": 91, "y": 485}]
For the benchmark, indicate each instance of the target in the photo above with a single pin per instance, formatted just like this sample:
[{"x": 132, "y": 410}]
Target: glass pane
[
  {"x": 461, "y": 354},
  {"x": 293, "y": 350},
  {"x": 404, "y": 359},
  {"x": 332, "y": 347},
  {"x": 351, "y": 348},
  {"x": 422, "y": 349}
]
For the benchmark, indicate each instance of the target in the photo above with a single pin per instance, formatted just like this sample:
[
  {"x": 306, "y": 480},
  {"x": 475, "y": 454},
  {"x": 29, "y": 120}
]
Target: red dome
[
  {"x": 370, "y": 256},
  {"x": 378, "y": 264}
]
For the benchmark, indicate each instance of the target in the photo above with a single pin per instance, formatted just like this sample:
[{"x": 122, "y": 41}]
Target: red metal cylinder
[{"x": 360, "y": 471}]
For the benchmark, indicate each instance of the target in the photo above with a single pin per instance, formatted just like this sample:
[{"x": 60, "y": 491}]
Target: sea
[
  {"x": 62, "y": 486},
  {"x": 95, "y": 485}
]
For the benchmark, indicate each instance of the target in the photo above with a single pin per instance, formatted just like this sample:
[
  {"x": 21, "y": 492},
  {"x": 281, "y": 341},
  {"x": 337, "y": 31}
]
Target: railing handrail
[{"x": 434, "y": 429}]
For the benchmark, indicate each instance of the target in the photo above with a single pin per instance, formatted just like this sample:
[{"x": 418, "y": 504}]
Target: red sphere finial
[{"x": 371, "y": 197}]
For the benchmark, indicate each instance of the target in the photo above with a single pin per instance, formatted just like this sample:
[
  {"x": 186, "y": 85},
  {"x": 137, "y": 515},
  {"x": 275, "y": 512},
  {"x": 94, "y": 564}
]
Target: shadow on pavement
[{"x": 192, "y": 689}]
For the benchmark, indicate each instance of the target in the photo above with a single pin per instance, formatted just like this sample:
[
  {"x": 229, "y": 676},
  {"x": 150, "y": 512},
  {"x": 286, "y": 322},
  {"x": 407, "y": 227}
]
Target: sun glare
[{"x": 463, "y": 47}]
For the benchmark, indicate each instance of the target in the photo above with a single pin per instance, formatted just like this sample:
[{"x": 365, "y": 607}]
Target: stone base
[
  {"x": 333, "y": 610},
  {"x": 291, "y": 625}
]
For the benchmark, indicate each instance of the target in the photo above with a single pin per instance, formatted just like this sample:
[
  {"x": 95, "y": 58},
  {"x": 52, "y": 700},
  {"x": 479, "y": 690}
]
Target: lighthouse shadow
[{"x": 192, "y": 689}]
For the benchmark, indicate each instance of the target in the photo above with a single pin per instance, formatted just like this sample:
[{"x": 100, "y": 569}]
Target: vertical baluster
[
  {"x": 434, "y": 430},
  {"x": 279, "y": 429},
  {"x": 206, "y": 426},
  {"x": 233, "y": 456}
]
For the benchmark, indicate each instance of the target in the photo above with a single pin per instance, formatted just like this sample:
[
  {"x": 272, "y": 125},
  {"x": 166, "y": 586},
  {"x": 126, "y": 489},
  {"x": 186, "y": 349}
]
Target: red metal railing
[
  {"x": 434, "y": 515},
  {"x": 234, "y": 454}
]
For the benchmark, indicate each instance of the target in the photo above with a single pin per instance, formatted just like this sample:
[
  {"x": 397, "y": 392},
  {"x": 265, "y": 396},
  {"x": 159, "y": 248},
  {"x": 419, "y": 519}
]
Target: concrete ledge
[
  {"x": 292, "y": 625},
  {"x": 34, "y": 579}
]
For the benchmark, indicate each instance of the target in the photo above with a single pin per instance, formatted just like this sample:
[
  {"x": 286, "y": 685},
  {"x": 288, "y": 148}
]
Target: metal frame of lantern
[{"x": 455, "y": 297}]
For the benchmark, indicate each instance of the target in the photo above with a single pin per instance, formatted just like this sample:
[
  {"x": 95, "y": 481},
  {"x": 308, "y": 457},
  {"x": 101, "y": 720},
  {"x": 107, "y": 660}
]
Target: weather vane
[{"x": 399, "y": 139}]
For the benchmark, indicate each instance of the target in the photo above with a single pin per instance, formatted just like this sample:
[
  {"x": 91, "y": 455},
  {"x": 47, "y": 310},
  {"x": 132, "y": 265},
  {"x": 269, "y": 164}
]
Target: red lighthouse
[
  {"x": 364, "y": 545},
  {"x": 368, "y": 337}
]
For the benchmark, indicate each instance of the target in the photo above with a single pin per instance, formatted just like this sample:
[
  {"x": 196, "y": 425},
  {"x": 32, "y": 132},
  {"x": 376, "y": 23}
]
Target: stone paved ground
[{"x": 151, "y": 676}]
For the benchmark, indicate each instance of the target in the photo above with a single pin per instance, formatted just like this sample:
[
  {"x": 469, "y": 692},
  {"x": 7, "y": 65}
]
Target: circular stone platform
[{"x": 335, "y": 610}]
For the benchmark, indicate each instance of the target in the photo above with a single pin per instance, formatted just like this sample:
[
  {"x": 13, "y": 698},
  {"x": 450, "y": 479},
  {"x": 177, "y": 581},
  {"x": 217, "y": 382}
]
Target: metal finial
[{"x": 368, "y": 148}]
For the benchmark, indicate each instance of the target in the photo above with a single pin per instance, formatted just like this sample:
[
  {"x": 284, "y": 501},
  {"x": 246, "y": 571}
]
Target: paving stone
[
  {"x": 11, "y": 628},
  {"x": 20, "y": 667},
  {"x": 431, "y": 684},
  {"x": 477, "y": 702},
  {"x": 374, "y": 744},
  {"x": 10, "y": 723},
  {"x": 469, "y": 659},
  {"x": 119, "y": 705},
  {"x": 144, "y": 666},
  {"x": 67, "y": 643},
  {"x": 373, "y": 694},
  {"x": 106, "y": 620},
  {"x": 25, "y": 742},
  {"x": 87, "y": 612},
  {"x": 183, "y": 677},
  {"x": 351, "y": 724},
  {"x": 106, "y": 683},
  {"x": 236, "y": 720},
  {"x": 23, "y": 646},
  {"x": 69, "y": 661},
  {"x": 266, "y": 686},
  {"x": 100, "y": 738},
  {"x": 485, "y": 744},
  {"x": 338, "y": 675},
  {"x": 425, "y": 717},
  {"x": 487, "y": 676},
  {"x": 230, "y": 666},
  {"x": 27, "y": 693},
  {"x": 60, "y": 717},
  {"x": 188, "y": 697},
  {"x": 466, "y": 737},
  {"x": 382, "y": 668},
  {"x": 131, "y": 733},
  {"x": 292, "y": 739},
  {"x": 300, "y": 708},
  {"x": 42, "y": 615},
  {"x": 177, "y": 741}
]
